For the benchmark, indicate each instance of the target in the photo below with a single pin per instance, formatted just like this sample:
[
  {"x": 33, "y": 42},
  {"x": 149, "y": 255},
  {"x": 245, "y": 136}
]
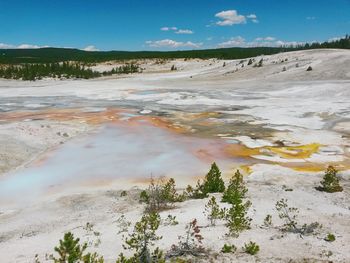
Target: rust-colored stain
[
  {"x": 218, "y": 150},
  {"x": 108, "y": 115}
]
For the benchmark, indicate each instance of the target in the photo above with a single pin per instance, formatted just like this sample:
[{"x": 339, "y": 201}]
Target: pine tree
[
  {"x": 236, "y": 217},
  {"x": 236, "y": 189},
  {"x": 142, "y": 238},
  {"x": 70, "y": 251},
  {"x": 330, "y": 182},
  {"x": 213, "y": 182},
  {"x": 213, "y": 211}
]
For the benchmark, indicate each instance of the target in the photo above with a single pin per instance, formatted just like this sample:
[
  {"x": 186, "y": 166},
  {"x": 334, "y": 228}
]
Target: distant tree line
[
  {"x": 51, "y": 55},
  {"x": 37, "y": 71}
]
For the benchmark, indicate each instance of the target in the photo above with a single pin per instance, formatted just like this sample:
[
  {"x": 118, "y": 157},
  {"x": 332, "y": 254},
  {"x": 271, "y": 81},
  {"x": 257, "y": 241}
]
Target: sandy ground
[{"x": 279, "y": 123}]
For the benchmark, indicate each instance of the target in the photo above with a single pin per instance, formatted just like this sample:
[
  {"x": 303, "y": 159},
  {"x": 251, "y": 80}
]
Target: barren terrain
[{"x": 68, "y": 147}]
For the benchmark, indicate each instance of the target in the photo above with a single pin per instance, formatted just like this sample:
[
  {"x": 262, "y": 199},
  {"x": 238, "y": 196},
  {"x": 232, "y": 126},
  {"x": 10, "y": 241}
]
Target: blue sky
[{"x": 169, "y": 25}]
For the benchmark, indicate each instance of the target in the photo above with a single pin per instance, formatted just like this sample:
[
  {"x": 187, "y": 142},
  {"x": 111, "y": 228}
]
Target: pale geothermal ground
[{"x": 68, "y": 147}]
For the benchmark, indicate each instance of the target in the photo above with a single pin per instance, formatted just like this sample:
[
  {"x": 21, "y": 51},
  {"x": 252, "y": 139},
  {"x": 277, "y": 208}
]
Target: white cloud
[
  {"x": 310, "y": 18},
  {"x": 91, "y": 48},
  {"x": 22, "y": 46},
  {"x": 177, "y": 30},
  {"x": 184, "y": 31},
  {"x": 168, "y": 43},
  {"x": 265, "y": 39},
  {"x": 233, "y": 42},
  {"x": 252, "y": 16},
  {"x": 230, "y": 17},
  {"x": 173, "y": 28},
  {"x": 258, "y": 42}
]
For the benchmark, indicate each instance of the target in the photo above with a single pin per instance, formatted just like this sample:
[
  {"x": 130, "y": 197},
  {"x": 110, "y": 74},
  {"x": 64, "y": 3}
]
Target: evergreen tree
[
  {"x": 330, "y": 182},
  {"x": 213, "y": 182},
  {"x": 236, "y": 189}
]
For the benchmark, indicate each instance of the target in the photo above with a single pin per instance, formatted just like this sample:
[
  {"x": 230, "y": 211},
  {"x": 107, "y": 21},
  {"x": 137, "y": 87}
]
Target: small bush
[
  {"x": 229, "y": 248},
  {"x": 251, "y": 248},
  {"x": 123, "y": 193},
  {"x": 170, "y": 221},
  {"x": 160, "y": 195},
  {"x": 144, "y": 197},
  {"x": 289, "y": 216},
  {"x": 309, "y": 68},
  {"x": 330, "y": 238},
  {"x": 268, "y": 221},
  {"x": 196, "y": 193},
  {"x": 190, "y": 244},
  {"x": 330, "y": 182},
  {"x": 141, "y": 240},
  {"x": 213, "y": 211}
]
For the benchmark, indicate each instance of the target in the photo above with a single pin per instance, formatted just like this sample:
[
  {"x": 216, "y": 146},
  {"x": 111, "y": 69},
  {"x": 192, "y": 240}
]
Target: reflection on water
[{"x": 133, "y": 151}]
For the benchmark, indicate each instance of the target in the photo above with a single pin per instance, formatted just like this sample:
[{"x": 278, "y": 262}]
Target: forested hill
[{"x": 47, "y": 55}]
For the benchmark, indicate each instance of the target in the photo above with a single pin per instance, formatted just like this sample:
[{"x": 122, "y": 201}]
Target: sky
[{"x": 169, "y": 24}]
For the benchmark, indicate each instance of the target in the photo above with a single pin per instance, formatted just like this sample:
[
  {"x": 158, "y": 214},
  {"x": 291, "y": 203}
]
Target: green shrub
[
  {"x": 123, "y": 193},
  {"x": 268, "y": 221},
  {"x": 251, "y": 248},
  {"x": 213, "y": 182},
  {"x": 229, "y": 248},
  {"x": 213, "y": 211},
  {"x": 71, "y": 251},
  {"x": 170, "y": 221},
  {"x": 330, "y": 237},
  {"x": 144, "y": 197},
  {"x": 141, "y": 239},
  {"x": 160, "y": 195},
  {"x": 330, "y": 182},
  {"x": 196, "y": 193},
  {"x": 288, "y": 215}
]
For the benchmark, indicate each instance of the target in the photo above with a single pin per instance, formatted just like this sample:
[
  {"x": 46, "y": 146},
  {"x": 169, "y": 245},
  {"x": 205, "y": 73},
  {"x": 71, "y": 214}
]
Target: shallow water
[{"x": 134, "y": 152}]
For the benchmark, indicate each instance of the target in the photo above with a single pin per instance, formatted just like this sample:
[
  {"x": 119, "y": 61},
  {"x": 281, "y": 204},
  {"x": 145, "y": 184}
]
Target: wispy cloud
[
  {"x": 21, "y": 46},
  {"x": 184, "y": 31},
  {"x": 232, "y": 17},
  {"x": 311, "y": 18},
  {"x": 253, "y": 18},
  {"x": 169, "y": 43},
  {"x": 91, "y": 48},
  {"x": 177, "y": 30},
  {"x": 165, "y": 28},
  {"x": 257, "y": 42}
]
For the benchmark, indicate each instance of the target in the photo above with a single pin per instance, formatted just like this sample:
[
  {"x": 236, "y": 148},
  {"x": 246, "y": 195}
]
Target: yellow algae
[
  {"x": 245, "y": 169},
  {"x": 239, "y": 150},
  {"x": 295, "y": 152},
  {"x": 316, "y": 167}
]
